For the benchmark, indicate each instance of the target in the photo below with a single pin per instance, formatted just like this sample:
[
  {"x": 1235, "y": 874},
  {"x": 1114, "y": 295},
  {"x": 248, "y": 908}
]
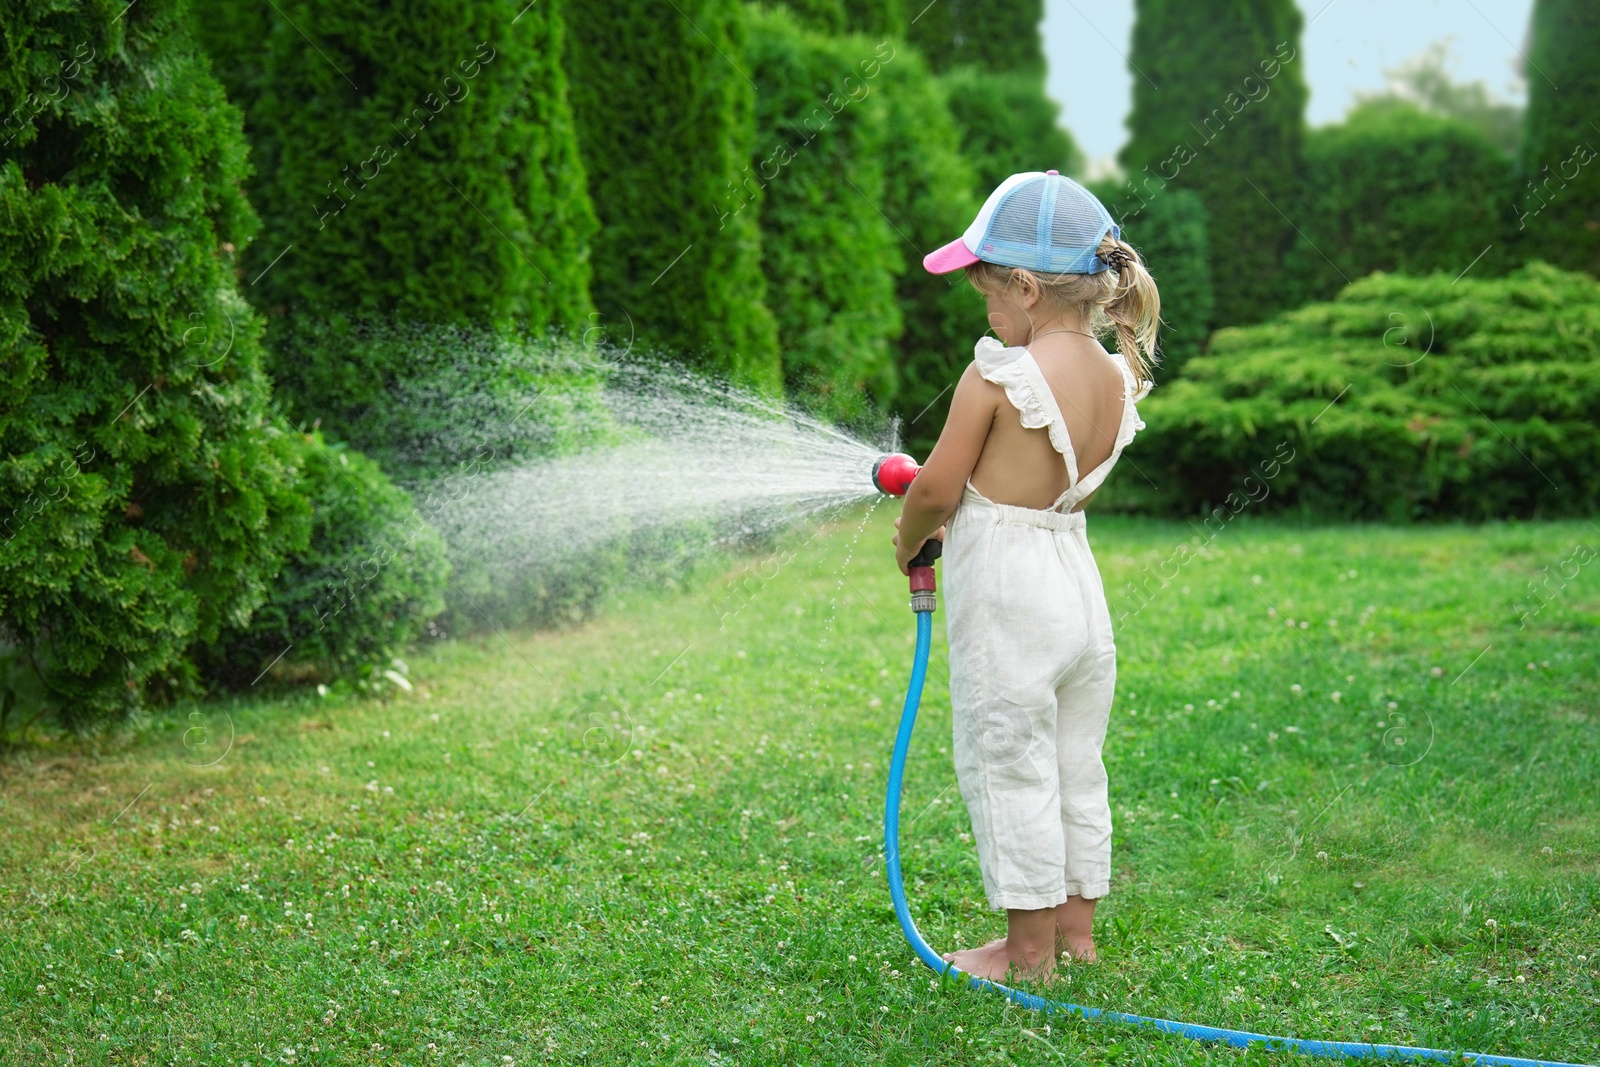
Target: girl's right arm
[{"x": 936, "y": 491}]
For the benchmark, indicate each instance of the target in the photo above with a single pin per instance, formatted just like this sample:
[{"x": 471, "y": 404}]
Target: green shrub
[
  {"x": 1424, "y": 82},
  {"x": 666, "y": 122},
  {"x": 879, "y": 18},
  {"x": 372, "y": 576},
  {"x": 1008, "y": 125},
  {"x": 1170, "y": 233},
  {"x": 1557, "y": 193},
  {"x": 1395, "y": 189},
  {"x": 829, "y": 254},
  {"x": 418, "y": 166},
  {"x": 467, "y": 391},
  {"x": 999, "y": 35},
  {"x": 1404, "y": 398},
  {"x": 1218, "y": 108},
  {"x": 146, "y": 495},
  {"x": 928, "y": 199}
]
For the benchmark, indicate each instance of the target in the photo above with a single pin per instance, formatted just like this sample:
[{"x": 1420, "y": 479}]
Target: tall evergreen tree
[
  {"x": 994, "y": 36},
  {"x": 928, "y": 197},
  {"x": 1398, "y": 189},
  {"x": 147, "y": 496},
  {"x": 415, "y": 165},
  {"x": 666, "y": 113},
  {"x": 829, "y": 254},
  {"x": 1558, "y": 192},
  {"x": 877, "y": 18},
  {"x": 1218, "y": 107},
  {"x": 1008, "y": 125}
]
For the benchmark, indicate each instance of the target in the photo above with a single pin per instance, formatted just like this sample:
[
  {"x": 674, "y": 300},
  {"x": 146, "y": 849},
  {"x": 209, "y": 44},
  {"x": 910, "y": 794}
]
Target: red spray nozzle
[{"x": 892, "y": 473}]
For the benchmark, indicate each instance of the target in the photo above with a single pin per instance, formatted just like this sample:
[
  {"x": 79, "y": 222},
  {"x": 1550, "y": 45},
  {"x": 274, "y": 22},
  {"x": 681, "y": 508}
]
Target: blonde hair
[{"x": 1123, "y": 299}]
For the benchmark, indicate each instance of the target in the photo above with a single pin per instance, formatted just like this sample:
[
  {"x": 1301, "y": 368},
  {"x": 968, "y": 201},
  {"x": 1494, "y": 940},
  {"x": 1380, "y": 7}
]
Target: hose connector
[{"x": 924, "y": 589}]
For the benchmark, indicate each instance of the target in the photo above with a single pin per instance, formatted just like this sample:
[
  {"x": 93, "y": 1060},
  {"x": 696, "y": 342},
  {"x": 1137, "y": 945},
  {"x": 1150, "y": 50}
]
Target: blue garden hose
[{"x": 922, "y": 603}]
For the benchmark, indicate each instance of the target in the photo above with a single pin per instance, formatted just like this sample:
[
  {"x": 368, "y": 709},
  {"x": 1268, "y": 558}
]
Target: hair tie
[{"x": 1117, "y": 259}]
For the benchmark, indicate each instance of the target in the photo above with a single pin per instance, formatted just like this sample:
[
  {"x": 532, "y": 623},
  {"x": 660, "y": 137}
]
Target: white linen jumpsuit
[{"x": 1032, "y": 665}]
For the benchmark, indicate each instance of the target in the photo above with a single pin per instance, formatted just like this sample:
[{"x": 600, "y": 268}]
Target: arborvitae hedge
[
  {"x": 1171, "y": 235},
  {"x": 1008, "y": 125},
  {"x": 879, "y": 18},
  {"x": 666, "y": 122},
  {"x": 829, "y": 254},
  {"x": 146, "y": 497},
  {"x": 929, "y": 200},
  {"x": 1394, "y": 188},
  {"x": 372, "y": 576},
  {"x": 1404, "y": 398},
  {"x": 419, "y": 165},
  {"x": 1218, "y": 107},
  {"x": 993, "y": 35},
  {"x": 1557, "y": 194}
]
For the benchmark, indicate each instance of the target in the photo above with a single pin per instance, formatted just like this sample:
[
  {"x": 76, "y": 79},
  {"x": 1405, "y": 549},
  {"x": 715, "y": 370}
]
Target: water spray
[{"x": 892, "y": 474}]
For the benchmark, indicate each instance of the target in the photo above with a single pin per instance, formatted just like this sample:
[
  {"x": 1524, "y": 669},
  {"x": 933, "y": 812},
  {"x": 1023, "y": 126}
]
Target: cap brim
[{"x": 952, "y": 256}]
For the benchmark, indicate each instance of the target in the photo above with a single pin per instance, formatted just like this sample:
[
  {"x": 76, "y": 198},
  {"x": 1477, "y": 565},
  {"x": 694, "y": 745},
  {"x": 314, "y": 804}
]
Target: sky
[{"x": 1345, "y": 47}]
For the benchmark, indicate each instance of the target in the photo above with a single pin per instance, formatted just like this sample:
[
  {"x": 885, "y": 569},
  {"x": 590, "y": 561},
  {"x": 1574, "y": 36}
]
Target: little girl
[{"x": 1037, "y": 422}]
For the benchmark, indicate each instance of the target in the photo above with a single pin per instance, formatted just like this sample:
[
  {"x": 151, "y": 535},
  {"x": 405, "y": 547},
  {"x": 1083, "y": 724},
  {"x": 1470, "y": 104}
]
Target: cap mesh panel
[
  {"x": 1018, "y": 218},
  {"x": 1078, "y": 221}
]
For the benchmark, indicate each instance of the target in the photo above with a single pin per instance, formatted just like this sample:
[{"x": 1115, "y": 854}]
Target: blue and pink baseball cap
[{"x": 1039, "y": 220}]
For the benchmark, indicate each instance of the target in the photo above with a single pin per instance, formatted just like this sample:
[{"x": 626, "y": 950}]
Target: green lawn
[{"x": 1354, "y": 797}]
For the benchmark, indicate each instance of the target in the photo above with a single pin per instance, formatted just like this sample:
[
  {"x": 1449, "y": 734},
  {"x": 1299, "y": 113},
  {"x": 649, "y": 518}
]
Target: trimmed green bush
[
  {"x": 1008, "y": 125},
  {"x": 1170, "y": 233},
  {"x": 928, "y": 199},
  {"x": 666, "y": 117},
  {"x": 1424, "y": 82},
  {"x": 1395, "y": 189},
  {"x": 372, "y": 576},
  {"x": 1404, "y": 398},
  {"x": 146, "y": 495},
  {"x": 998, "y": 35},
  {"x": 876, "y": 18},
  {"x": 1557, "y": 194},
  {"x": 829, "y": 254},
  {"x": 418, "y": 166},
  {"x": 1219, "y": 109}
]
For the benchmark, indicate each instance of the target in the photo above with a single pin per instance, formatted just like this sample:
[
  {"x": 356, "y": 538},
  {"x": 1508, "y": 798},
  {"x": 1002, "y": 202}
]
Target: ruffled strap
[{"x": 1014, "y": 370}]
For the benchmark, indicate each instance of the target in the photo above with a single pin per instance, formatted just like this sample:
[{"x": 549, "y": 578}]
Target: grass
[{"x": 1353, "y": 798}]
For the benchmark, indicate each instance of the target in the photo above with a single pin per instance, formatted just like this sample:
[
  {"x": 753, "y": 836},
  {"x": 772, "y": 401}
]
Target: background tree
[
  {"x": 147, "y": 496},
  {"x": 928, "y": 200},
  {"x": 1558, "y": 191},
  {"x": 992, "y": 35},
  {"x": 1394, "y": 188},
  {"x": 418, "y": 166},
  {"x": 666, "y": 114},
  {"x": 1218, "y": 108},
  {"x": 1424, "y": 81},
  {"x": 1008, "y": 125},
  {"x": 1171, "y": 235},
  {"x": 829, "y": 254}
]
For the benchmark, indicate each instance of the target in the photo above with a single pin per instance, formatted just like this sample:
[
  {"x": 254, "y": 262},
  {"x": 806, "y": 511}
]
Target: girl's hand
[{"x": 903, "y": 555}]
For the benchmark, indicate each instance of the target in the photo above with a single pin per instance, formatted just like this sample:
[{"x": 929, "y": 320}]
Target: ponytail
[{"x": 1134, "y": 310}]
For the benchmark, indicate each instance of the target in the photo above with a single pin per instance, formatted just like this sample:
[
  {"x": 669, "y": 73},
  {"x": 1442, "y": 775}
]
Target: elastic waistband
[{"x": 1049, "y": 520}]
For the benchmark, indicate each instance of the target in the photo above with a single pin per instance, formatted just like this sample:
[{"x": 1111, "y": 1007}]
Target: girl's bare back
[{"x": 1020, "y": 466}]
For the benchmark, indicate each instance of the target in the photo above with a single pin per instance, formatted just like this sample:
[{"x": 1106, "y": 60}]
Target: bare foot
[
  {"x": 997, "y": 960},
  {"x": 1074, "y": 922},
  {"x": 1076, "y": 947}
]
